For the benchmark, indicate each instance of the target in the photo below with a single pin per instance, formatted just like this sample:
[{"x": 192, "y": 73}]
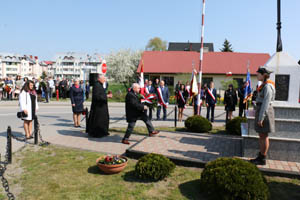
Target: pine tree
[{"x": 226, "y": 46}]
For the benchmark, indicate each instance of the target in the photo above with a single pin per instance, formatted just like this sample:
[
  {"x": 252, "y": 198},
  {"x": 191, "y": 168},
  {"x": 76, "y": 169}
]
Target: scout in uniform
[{"x": 264, "y": 114}]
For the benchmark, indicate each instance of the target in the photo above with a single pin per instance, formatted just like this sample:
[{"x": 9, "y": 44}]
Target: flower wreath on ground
[{"x": 149, "y": 100}]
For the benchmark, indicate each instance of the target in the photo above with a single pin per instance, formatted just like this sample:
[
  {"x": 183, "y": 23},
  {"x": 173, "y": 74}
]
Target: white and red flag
[
  {"x": 194, "y": 86},
  {"x": 141, "y": 83}
]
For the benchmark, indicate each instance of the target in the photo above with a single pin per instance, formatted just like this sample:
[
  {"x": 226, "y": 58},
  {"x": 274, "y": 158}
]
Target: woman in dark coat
[
  {"x": 230, "y": 101},
  {"x": 98, "y": 122},
  {"x": 77, "y": 99},
  {"x": 181, "y": 100}
]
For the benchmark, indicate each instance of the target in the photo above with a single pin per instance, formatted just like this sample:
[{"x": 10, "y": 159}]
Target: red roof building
[
  {"x": 174, "y": 62},
  {"x": 178, "y": 65}
]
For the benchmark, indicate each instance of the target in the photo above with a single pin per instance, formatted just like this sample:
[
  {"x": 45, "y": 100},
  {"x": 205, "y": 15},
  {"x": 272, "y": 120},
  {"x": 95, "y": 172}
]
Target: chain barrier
[
  {"x": 2, "y": 172},
  {"x": 38, "y": 130}
]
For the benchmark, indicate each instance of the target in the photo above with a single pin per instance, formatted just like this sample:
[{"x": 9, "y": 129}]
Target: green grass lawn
[{"x": 63, "y": 173}]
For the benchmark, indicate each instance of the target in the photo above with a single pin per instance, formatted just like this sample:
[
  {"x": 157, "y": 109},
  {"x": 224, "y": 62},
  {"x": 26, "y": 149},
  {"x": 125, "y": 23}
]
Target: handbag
[{"x": 22, "y": 114}]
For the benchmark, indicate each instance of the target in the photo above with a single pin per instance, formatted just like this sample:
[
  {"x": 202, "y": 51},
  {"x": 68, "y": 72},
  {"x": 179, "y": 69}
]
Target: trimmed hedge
[
  {"x": 198, "y": 124},
  {"x": 233, "y": 127},
  {"x": 233, "y": 178},
  {"x": 154, "y": 167}
]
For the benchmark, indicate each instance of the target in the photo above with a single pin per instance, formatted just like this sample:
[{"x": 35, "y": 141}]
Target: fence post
[
  {"x": 86, "y": 119},
  {"x": 175, "y": 116},
  {"x": 36, "y": 131},
  {"x": 9, "y": 146}
]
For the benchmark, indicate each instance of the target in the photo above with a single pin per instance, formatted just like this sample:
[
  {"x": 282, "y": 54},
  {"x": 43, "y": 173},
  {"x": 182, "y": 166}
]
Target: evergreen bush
[
  {"x": 233, "y": 127},
  {"x": 198, "y": 124},
  {"x": 233, "y": 178},
  {"x": 154, "y": 167}
]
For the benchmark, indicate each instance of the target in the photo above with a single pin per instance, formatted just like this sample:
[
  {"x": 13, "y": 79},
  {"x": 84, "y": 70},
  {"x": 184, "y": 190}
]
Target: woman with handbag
[{"x": 28, "y": 107}]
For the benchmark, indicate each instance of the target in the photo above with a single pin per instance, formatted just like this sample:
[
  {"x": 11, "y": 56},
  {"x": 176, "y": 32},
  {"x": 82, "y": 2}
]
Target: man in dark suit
[
  {"x": 150, "y": 90},
  {"x": 163, "y": 99},
  {"x": 211, "y": 101},
  {"x": 135, "y": 110}
]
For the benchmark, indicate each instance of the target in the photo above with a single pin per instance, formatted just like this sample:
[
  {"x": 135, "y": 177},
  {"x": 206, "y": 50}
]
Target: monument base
[{"x": 280, "y": 149}]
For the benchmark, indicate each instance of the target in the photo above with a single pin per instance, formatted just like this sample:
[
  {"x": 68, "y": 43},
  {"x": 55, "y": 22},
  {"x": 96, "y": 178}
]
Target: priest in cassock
[{"x": 98, "y": 122}]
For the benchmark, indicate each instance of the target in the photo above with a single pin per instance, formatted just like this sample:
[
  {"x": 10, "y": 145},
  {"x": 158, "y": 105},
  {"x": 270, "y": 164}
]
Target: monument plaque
[{"x": 282, "y": 84}]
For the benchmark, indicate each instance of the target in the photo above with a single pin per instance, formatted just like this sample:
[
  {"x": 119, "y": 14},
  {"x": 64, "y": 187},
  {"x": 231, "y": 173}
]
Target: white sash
[
  {"x": 161, "y": 99},
  {"x": 211, "y": 94}
]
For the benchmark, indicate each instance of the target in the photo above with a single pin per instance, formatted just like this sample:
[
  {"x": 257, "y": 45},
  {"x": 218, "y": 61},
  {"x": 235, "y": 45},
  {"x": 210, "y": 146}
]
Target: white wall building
[
  {"x": 75, "y": 65},
  {"x": 15, "y": 64}
]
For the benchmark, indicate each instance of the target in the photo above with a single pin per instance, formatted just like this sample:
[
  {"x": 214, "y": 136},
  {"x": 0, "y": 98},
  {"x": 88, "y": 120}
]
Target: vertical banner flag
[
  {"x": 141, "y": 83},
  {"x": 201, "y": 58},
  {"x": 248, "y": 90},
  {"x": 194, "y": 86}
]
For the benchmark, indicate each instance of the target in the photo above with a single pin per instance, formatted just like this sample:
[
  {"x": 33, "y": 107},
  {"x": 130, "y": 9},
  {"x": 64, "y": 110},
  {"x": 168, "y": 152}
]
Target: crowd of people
[
  {"x": 28, "y": 92},
  {"x": 45, "y": 88}
]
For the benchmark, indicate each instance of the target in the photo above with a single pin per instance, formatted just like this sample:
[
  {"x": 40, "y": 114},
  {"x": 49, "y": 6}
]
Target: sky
[{"x": 45, "y": 27}]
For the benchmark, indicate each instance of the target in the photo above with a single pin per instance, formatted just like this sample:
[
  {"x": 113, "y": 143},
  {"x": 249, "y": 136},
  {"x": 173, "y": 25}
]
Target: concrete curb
[{"x": 187, "y": 162}]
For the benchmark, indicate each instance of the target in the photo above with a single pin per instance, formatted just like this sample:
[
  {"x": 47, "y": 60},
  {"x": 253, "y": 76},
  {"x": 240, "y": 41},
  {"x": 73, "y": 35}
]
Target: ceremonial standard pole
[
  {"x": 279, "y": 42},
  {"x": 201, "y": 60}
]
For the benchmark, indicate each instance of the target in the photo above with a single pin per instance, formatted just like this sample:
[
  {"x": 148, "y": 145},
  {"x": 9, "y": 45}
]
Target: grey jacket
[{"x": 265, "y": 96}]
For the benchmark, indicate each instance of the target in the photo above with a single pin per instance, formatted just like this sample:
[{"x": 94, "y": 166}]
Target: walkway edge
[{"x": 201, "y": 164}]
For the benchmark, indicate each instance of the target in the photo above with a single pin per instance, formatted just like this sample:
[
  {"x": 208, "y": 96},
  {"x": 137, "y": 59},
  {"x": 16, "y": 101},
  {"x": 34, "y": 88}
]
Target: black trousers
[
  {"x": 242, "y": 108},
  {"x": 131, "y": 125},
  {"x": 87, "y": 95},
  {"x": 158, "y": 112},
  {"x": 150, "y": 113},
  {"x": 212, "y": 109}
]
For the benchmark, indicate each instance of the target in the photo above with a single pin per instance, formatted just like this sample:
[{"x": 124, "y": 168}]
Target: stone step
[
  {"x": 280, "y": 149},
  {"x": 282, "y": 112},
  {"x": 284, "y": 128}
]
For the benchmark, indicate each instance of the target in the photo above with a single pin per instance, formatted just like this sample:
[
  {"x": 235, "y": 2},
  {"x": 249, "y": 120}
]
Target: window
[{"x": 169, "y": 80}]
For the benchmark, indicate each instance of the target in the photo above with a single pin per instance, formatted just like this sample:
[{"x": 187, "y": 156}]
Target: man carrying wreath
[{"x": 135, "y": 110}]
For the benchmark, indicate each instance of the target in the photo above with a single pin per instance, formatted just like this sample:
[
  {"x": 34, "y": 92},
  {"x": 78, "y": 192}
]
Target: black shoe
[{"x": 259, "y": 160}]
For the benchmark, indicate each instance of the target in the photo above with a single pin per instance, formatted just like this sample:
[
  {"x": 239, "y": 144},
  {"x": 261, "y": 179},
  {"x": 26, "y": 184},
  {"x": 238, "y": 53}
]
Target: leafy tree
[
  {"x": 122, "y": 66},
  {"x": 226, "y": 46},
  {"x": 44, "y": 75},
  {"x": 226, "y": 83},
  {"x": 156, "y": 44}
]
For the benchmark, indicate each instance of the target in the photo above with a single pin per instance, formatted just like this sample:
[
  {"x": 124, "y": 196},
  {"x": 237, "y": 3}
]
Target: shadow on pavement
[
  {"x": 224, "y": 146},
  {"x": 17, "y": 134},
  {"x": 73, "y": 133},
  {"x": 111, "y": 138},
  {"x": 64, "y": 120},
  {"x": 49, "y": 116},
  {"x": 203, "y": 156},
  {"x": 63, "y": 124}
]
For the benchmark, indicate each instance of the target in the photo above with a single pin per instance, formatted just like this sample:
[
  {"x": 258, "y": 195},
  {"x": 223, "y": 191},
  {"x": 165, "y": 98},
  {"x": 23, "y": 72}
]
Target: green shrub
[
  {"x": 198, "y": 124},
  {"x": 233, "y": 178},
  {"x": 154, "y": 167},
  {"x": 233, "y": 127}
]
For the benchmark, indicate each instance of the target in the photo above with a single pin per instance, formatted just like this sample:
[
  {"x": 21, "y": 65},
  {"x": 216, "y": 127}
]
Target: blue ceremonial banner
[{"x": 248, "y": 90}]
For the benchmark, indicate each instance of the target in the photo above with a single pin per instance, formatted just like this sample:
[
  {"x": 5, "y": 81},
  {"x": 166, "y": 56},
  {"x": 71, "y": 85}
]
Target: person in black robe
[{"x": 98, "y": 122}]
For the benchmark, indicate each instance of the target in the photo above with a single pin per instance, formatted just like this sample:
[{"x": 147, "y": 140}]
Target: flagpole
[{"x": 201, "y": 59}]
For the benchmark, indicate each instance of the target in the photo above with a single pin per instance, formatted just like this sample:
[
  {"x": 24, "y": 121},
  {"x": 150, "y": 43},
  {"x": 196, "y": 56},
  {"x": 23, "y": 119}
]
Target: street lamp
[{"x": 279, "y": 42}]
